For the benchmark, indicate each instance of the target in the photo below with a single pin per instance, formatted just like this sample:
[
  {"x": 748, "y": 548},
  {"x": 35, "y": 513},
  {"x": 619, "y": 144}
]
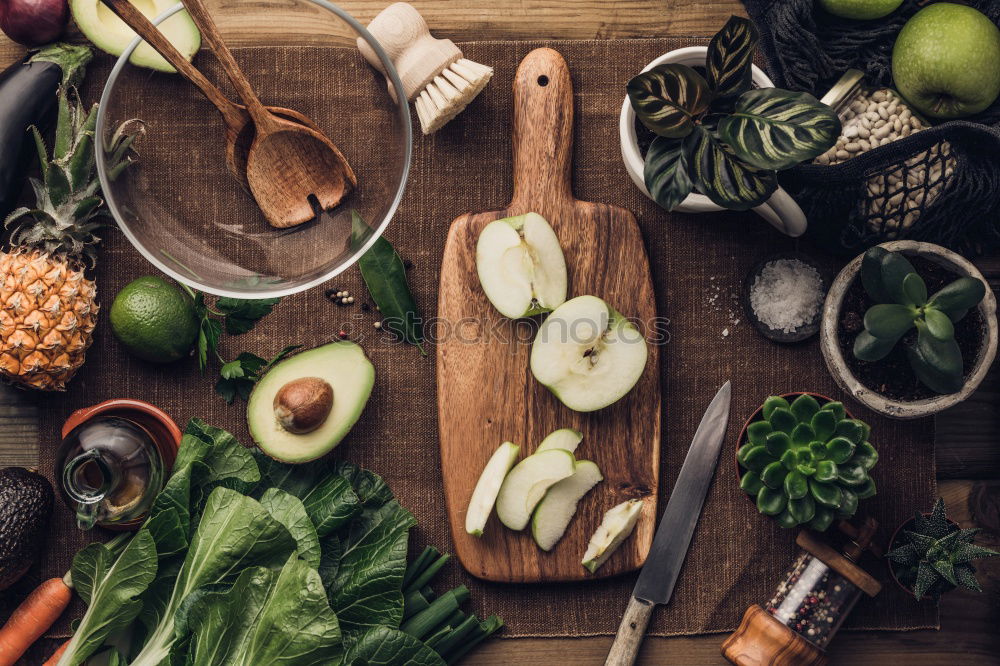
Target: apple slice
[
  {"x": 588, "y": 354},
  {"x": 566, "y": 439},
  {"x": 526, "y": 484},
  {"x": 521, "y": 266},
  {"x": 556, "y": 510},
  {"x": 488, "y": 486},
  {"x": 618, "y": 523}
]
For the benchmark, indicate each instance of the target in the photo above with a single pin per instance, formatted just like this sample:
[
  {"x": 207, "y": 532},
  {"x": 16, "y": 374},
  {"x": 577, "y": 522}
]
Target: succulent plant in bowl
[
  {"x": 901, "y": 304},
  {"x": 931, "y": 555},
  {"x": 806, "y": 463},
  {"x": 716, "y": 134}
]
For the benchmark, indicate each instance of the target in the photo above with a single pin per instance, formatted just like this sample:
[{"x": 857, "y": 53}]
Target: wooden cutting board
[{"x": 486, "y": 393}]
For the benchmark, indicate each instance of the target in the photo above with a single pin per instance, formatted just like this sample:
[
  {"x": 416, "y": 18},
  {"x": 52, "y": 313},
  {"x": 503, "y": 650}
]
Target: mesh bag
[{"x": 940, "y": 185}]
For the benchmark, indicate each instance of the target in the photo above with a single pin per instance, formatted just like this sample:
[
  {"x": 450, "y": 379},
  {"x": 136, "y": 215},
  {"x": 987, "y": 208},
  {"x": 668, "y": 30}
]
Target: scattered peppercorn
[
  {"x": 365, "y": 307},
  {"x": 407, "y": 264}
]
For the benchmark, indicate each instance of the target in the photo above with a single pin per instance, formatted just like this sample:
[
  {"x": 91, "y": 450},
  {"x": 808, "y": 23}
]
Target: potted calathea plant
[
  {"x": 716, "y": 134},
  {"x": 909, "y": 328},
  {"x": 805, "y": 461},
  {"x": 930, "y": 555}
]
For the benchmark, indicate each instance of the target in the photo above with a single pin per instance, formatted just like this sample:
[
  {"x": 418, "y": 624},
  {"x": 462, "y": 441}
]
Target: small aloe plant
[
  {"x": 935, "y": 556},
  {"x": 807, "y": 464},
  {"x": 902, "y": 304},
  {"x": 718, "y": 135}
]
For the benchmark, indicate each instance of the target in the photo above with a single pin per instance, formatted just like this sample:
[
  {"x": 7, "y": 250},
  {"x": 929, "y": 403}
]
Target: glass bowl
[{"x": 183, "y": 210}]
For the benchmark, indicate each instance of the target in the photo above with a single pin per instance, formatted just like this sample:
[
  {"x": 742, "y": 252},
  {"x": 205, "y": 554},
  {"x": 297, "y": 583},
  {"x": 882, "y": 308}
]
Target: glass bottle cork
[{"x": 808, "y": 606}]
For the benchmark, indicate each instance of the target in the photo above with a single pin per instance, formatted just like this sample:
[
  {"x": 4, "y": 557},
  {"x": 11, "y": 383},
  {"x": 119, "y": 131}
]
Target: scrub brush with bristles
[{"x": 435, "y": 76}]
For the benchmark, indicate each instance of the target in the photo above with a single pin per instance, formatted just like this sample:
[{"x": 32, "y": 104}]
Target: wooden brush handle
[
  {"x": 630, "y": 633},
  {"x": 418, "y": 57},
  {"x": 543, "y": 131},
  {"x": 204, "y": 22},
  {"x": 143, "y": 27}
]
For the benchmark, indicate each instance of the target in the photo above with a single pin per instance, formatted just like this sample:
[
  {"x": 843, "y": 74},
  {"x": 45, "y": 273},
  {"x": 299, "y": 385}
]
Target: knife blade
[{"x": 673, "y": 537}]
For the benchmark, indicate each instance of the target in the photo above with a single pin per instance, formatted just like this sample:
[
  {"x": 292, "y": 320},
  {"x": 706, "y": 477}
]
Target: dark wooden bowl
[{"x": 803, "y": 333}]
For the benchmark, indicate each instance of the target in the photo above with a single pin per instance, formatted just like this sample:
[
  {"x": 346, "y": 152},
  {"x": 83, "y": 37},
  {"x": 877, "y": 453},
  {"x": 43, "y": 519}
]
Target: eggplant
[{"x": 27, "y": 99}]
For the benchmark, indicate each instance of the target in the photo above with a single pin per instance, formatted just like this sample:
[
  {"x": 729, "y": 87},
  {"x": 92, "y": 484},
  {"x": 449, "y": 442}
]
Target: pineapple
[{"x": 48, "y": 307}]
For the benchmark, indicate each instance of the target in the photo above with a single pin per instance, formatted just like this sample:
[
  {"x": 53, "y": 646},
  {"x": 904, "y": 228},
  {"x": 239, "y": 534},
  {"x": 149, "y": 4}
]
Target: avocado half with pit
[
  {"x": 306, "y": 404},
  {"x": 110, "y": 34}
]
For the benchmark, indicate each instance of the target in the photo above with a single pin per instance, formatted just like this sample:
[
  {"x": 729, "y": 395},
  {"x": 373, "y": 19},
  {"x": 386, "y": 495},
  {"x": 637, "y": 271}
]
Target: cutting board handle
[{"x": 543, "y": 132}]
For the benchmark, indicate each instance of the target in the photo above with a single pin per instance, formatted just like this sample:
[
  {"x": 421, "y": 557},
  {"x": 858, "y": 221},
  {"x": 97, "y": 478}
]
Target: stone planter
[{"x": 835, "y": 362}]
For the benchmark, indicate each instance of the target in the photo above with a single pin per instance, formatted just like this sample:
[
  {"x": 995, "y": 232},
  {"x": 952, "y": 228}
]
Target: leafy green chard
[
  {"x": 807, "y": 464},
  {"x": 718, "y": 136},
  {"x": 255, "y": 561},
  {"x": 935, "y": 556},
  {"x": 902, "y": 304}
]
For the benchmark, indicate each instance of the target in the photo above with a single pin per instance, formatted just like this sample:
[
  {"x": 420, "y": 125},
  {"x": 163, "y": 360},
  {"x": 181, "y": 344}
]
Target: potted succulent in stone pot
[
  {"x": 805, "y": 461},
  {"x": 714, "y": 139},
  {"x": 909, "y": 329},
  {"x": 930, "y": 555}
]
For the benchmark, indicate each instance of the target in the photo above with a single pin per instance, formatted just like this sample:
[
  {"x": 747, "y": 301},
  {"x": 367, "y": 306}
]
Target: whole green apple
[
  {"x": 946, "y": 61},
  {"x": 863, "y": 10}
]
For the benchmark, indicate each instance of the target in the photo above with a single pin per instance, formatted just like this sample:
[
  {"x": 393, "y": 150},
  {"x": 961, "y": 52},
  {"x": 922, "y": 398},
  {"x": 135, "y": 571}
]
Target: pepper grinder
[{"x": 809, "y": 605}]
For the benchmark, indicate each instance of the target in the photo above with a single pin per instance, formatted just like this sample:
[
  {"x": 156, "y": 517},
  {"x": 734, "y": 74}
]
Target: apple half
[
  {"x": 588, "y": 354},
  {"x": 521, "y": 266},
  {"x": 557, "y": 508},
  {"x": 617, "y": 525},
  {"x": 564, "y": 438},
  {"x": 526, "y": 484},
  {"x": 488, "y": 486}
]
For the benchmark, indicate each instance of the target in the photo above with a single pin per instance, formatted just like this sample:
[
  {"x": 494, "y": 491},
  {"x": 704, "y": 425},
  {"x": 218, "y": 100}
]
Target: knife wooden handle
[{"x": 630, "y": 633}]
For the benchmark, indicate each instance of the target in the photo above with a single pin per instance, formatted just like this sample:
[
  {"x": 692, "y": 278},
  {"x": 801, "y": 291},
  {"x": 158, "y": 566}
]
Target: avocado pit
[{"x": 303, "y": 405}]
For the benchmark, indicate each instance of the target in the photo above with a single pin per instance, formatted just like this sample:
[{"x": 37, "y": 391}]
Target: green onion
[
  {"x": 413, "y": 603},
  {"x": 490, "y": 625},
  {"x": 424, "y": 576},
  {"x": 444, "y": 606},
  {"x": 418, "y": 565},
  {"x": 457, "y": 636}
]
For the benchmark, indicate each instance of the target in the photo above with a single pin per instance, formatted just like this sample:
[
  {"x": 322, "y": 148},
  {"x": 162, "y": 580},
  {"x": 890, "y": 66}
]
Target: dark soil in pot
[{"x": 892, "y": 376}]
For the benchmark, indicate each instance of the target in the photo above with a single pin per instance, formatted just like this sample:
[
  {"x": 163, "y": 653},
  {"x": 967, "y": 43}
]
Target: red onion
[{"x": 33, "y": 22}]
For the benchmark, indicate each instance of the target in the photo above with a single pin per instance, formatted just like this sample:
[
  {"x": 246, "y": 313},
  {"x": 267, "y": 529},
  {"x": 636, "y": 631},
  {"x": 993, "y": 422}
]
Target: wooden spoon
[
  {"x": 294, "y": 172},
  {"x": 239, "y": 127}
]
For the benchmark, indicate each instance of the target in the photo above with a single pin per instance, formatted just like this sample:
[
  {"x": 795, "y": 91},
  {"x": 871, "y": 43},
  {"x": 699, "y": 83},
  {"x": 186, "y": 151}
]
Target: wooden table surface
[{"x": 968, "y": 436}]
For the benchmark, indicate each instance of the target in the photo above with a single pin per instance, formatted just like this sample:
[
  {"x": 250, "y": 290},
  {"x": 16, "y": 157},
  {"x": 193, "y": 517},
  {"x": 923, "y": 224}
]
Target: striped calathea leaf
[
  {"x": 669, "y": 98},
  {"x": 776, "y": 129},
  {"x": 729, "y": 61},
  {"x": 666, "y": 172},
  {"x": 722, "y": 176}
]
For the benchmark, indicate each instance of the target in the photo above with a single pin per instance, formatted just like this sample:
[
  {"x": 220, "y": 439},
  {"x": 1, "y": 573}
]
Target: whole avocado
[{"x": 25, "y": 507}]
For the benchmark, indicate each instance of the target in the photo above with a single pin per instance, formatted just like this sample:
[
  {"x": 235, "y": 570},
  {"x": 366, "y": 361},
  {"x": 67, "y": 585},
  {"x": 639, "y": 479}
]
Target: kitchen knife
[{"x": 673, "y": 536}]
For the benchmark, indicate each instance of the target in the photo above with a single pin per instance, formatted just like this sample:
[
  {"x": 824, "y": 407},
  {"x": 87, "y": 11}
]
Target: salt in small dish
[{"x": 799, "y": 332}]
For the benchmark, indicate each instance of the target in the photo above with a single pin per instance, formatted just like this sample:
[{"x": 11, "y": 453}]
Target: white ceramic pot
[
  {"x": 835, "y": 363},
  {"x": 780, "y": 210}
]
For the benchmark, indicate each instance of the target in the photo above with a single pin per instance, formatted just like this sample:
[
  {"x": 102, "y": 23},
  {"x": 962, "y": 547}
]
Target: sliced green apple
[
  {"x": 566, "y": 439},
  {"x": 526, "y": 484},
  {"x": 556, "y": 510},
  {"x": 110, "y": 34},
  {"x": 588, "y": 354},
  {"x": 618, "y": 523},
  {"x": 521, "y": 266},
  {"x": 488, "y": 486}
]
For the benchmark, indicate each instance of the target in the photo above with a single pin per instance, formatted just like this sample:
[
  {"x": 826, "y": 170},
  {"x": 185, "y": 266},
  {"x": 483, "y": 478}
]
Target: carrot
[
  {"x": 54, "y": 659},
  {"x": 33, "y": 618}
]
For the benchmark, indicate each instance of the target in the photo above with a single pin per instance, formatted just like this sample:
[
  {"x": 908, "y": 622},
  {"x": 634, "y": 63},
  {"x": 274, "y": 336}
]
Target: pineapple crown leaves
[
  {"x": 68, "y": 206},
  {"x": 902, "y": 303},
  {"x": 936, "y": 556},
  {"x": 807, "y": 464}
]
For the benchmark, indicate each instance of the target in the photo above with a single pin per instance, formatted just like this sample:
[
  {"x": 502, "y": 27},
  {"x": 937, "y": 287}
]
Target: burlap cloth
[{"x": 737, "y": 556}]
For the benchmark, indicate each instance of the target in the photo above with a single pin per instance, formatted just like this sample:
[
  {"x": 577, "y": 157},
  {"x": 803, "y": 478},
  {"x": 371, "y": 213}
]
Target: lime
[{"x": 155, "y": 320}]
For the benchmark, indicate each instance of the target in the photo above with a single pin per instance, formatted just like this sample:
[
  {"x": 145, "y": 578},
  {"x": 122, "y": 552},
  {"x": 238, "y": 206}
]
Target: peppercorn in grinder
[{"x": 810, "y": 604}]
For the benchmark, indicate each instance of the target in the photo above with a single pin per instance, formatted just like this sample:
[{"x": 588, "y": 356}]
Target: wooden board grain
[{"x": 486, "y": 393}]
